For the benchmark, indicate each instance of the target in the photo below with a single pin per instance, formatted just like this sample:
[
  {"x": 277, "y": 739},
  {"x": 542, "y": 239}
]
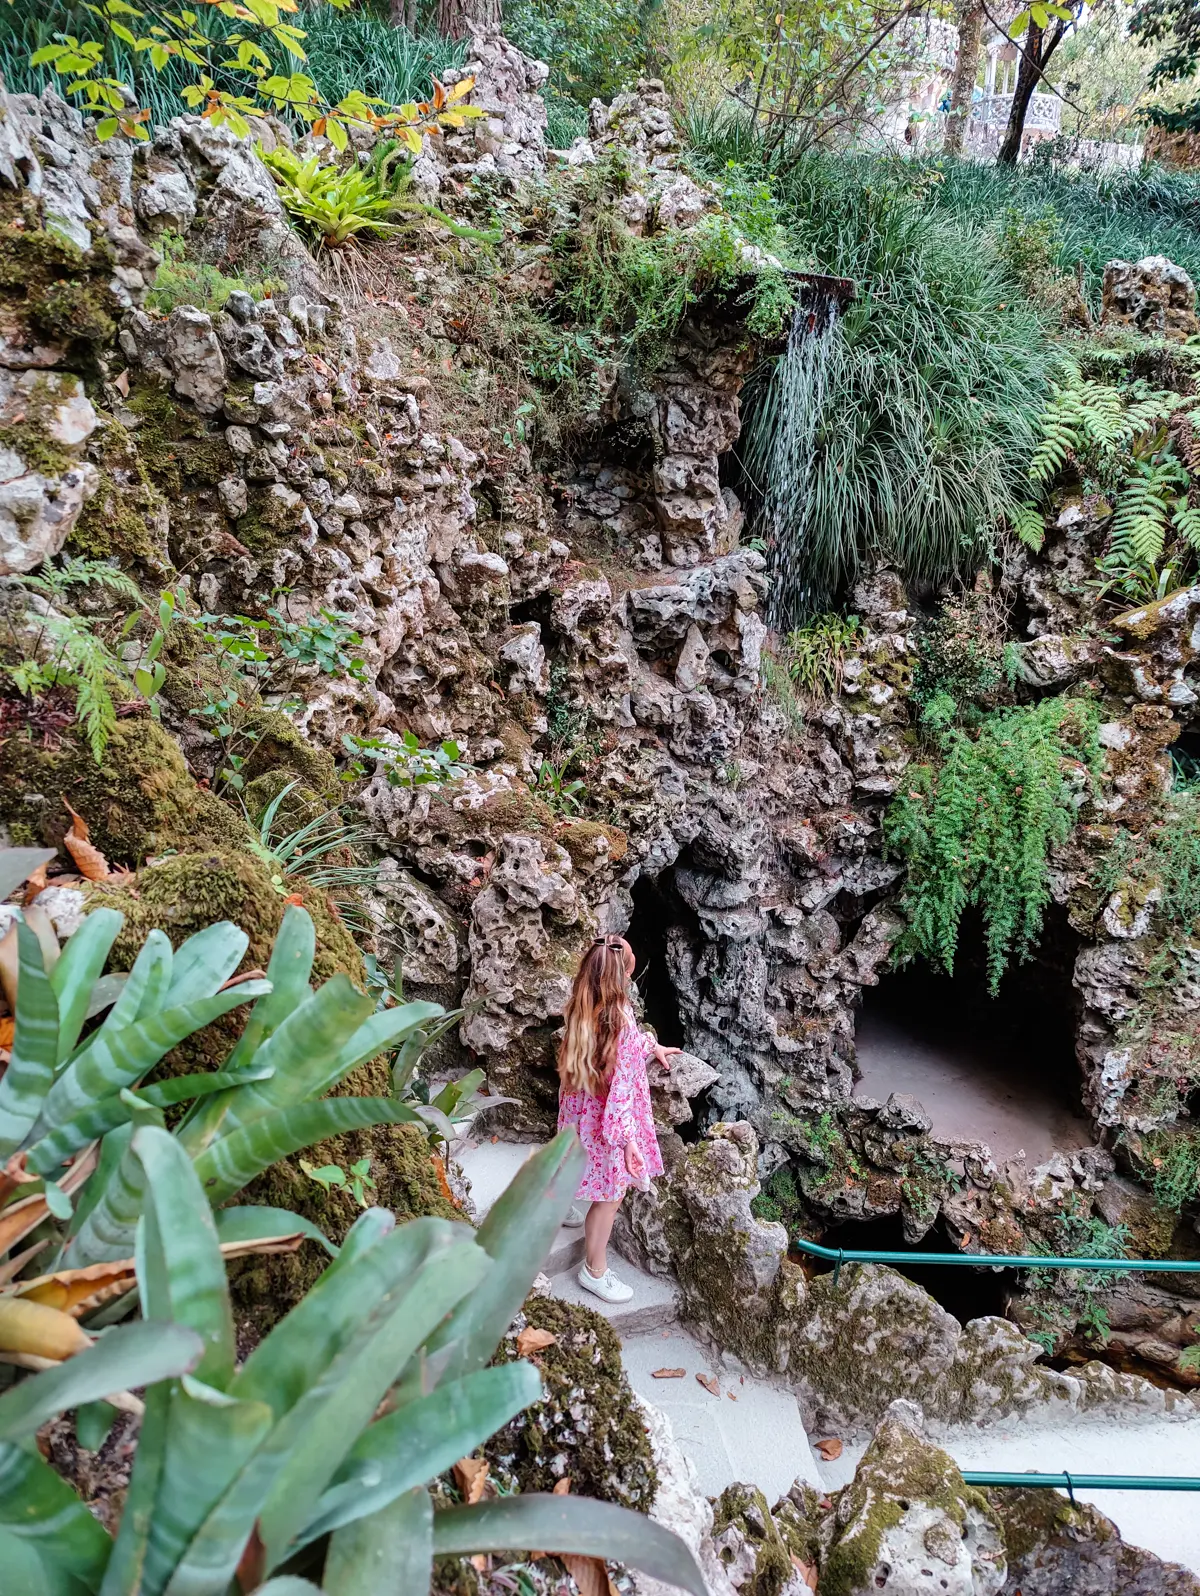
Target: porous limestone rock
[
  {"x": 1154, "y": 295},
  {"x": 1058, "y": 1548}
]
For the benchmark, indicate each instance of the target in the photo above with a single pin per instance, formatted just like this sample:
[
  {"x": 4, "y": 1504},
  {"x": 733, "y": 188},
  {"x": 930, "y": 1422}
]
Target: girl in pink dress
[{"x": 604, "y": 1092}]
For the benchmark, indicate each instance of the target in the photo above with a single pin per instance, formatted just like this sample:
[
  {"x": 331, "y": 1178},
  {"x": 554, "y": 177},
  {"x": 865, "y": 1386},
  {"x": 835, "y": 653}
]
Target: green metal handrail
[
  {"x": 995, "y": 1260},
  {"x": 1085, "y": 1482}
]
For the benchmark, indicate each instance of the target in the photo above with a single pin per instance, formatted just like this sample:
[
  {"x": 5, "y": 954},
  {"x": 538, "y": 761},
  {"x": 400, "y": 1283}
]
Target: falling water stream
[{"x": 782, "y": 444}]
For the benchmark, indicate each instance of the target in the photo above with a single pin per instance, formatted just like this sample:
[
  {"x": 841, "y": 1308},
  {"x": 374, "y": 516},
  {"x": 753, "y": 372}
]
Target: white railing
[{"x": 1044, "y": 116}]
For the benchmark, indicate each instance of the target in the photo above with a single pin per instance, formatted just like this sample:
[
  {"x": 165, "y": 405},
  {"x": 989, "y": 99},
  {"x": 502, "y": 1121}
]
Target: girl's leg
[{"x": 597, "y": 1228}]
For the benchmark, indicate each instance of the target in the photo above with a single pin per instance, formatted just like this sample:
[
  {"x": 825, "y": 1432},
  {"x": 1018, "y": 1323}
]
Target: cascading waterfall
[{"x": 781, "y": 443}]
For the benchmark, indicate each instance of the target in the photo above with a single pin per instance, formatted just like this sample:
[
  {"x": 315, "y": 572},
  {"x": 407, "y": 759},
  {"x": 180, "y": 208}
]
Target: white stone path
[{"x": 753, "y": 1432}]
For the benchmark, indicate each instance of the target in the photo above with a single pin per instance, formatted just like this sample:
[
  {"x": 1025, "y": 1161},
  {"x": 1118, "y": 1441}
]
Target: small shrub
[
  {"x": 180, "y": 280},
  {"x": 816, "y": 654}
]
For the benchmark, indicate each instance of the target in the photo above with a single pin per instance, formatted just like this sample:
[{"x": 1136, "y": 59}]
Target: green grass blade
[
  {"x": 78, "y": 970},
  {"x": 44, "y": 1515},
  {"x": 422, "y": 1439},
  {"x": 234, "y": 1160},
  {"x": 115, "y": 1061},
  {"x": 267, "y": 1224},
  {"x": 184, "y": 1271},
  {"x": 131, "y": 1355},
  {"x": 517, "y": 1233},
  {"x": 388, "y": 1554},
  {"x": 205, "y": 962},
  {"x": 30, "y": 1071},
  {"x": 568, "y": 1524}
]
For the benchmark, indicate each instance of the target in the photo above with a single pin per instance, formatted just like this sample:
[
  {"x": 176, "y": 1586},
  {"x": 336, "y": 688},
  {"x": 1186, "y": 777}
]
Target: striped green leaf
[
  {"x": 388, "y": 1554},
  {"x": 107, "y": 1230},
  {"x": 517, "y": 1233},
  {"x": 43, "y": 1516},
  {"x": 118, "y": 1059},
  {"x": 299, "y": 1052},
  {"x": 205, "y": 962},
  {"x": 147, "y": 985},
  {"x": 123, "y": 1576},
  {"x": 30, "y": 1072},
  {"x": 234, "y": 1160},
  {"x": 387, "y": 1029},
  {"x": 568, "y": 1524},
  {"x": 288, "y": 1585},
  {"x": 183, "y": 1276},
  {"x": 51, "y": 1151},
  {"x": 78, "y": 970},
  {"x": 320, "y": 1367},
  {"x": 420, "y": 1440},
  {"x": 239, "y": 1225},
  {"x": 131, "y": 1355}
]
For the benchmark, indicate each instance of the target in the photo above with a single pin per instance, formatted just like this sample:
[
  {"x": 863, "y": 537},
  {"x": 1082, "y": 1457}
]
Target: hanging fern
[{"x": 976, "y": 828}]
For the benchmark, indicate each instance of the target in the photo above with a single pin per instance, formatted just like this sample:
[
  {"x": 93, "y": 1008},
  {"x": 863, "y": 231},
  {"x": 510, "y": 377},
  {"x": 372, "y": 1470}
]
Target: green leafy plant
[
  {"x": 552, "y": 785},
  {"x": 815, "y": 654},
  {"x": 977, "y": 827},
  {"x": 355, "y": 1180},
  {"x": 77, "y": 653},
  {"x": 293, "y": 1467},
  {"x": 325, "y": 850},
  {"x": 404, "y": 761},
  {"x": 1188, "y": 1361},
  {"x": 67, "y": 1090}
]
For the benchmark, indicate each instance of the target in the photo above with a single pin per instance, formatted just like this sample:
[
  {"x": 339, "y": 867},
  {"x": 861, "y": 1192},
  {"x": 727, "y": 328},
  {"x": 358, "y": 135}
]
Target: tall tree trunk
[
  {"x": 966, "y": 68},
  {"x": 1035, "y": 57},
  {"x": 404, "y": 14},
  {"x": 454, "y": 16}
]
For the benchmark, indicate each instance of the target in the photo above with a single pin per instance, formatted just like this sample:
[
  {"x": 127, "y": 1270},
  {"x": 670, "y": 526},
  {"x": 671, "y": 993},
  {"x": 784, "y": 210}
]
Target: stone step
[
  {"x": 566, "y": 1253},
  {"x": 655, "y": 1302}
]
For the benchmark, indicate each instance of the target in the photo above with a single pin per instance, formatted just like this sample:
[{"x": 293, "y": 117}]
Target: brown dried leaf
[
  {"x": 8, "y": 966},
  {"x": 589, "y": 1573},
  {"x": 710, "y": 1383},
  {"x": 806, "y": 1571},
  {"x": 121, "y": 383},
  {"x": 470, "y": 1475},
  {"x": 667, "y": 1374},
  {"x": 36, "y": 882},
  {"x": 561, "y": 1487},
  {"x": 533, "y": 1340},
  {"x": 830, "y": 1448},
  {"x": 89, "y": 861},
  {"x": 75, "y": 1291}
]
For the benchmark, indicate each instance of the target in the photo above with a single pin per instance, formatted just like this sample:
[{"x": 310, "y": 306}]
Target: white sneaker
[
  {"x": 575, "y": 1217},
  {"x": 606, "y": 1286}
]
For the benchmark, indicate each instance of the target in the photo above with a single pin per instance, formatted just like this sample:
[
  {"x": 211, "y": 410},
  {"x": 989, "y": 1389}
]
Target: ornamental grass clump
[{"x": 976, "y": 825}]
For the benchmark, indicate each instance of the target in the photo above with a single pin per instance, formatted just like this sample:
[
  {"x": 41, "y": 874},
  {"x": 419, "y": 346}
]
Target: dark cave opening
[
  {"x": 655, "y": 909},
  {"x": 964, "y": 1292},
  {"x": 999, "y": 1070}
]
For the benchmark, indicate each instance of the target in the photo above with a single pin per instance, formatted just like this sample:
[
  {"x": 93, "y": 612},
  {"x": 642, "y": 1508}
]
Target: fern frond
[
  {"x": 99, "y": 573},
  {"x": 1029, "y": 526},
  {"x": 1186, "y": 522},
  {"x": 1143, "y": 509},
  {"x": 85, "y": 663}
]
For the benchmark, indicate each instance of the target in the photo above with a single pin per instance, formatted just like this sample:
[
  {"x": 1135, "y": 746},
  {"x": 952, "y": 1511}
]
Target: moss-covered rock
[
  {"x": 188, "y": 891},
  {"x": 1054, "y": 1547},
  {"x": 277, "y": 744},
  {"x": 747, "y": 1540},
  {"x": 589, "y": 1428},
  {"x": 141, "y": 800}
]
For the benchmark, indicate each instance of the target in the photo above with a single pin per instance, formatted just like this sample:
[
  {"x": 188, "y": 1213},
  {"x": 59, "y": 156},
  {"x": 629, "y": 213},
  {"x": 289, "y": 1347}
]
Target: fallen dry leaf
[
  {"x": 589, "y": 1573},
  {"x": 89, "y": 861},
  {"x": 830, "y": 1448},
  {"x": 563, "y": 1486},
  {"x": 532, "y": 1339},
  {"x": 470, "y": 1475},
  {"x": 731, "y": 1396},
  {"x": 710, "y": 1383},
  {"x": 121, "y": 383},
  {"x": 36, "y": 882},
  {"x": 806, "y": 1571},
  {"x": 667, "y": 1374}
]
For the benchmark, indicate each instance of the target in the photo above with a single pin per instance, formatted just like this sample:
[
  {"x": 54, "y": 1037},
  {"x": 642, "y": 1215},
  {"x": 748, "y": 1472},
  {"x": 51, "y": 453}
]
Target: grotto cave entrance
[
  {"x": 998, "y": 1070},
  {"x": 965, "y": 1293},
  {"x": 656, "y": 907}
]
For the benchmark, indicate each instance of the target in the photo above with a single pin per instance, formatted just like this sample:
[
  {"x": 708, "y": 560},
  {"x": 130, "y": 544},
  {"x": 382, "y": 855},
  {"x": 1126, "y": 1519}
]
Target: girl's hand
[
  {"x": 662, "y": 1054},
  {"x": 634, "y": 1162}
]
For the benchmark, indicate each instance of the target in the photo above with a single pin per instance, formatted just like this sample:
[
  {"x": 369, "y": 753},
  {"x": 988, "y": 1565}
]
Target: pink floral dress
[{"x": 606, "y": 1125}]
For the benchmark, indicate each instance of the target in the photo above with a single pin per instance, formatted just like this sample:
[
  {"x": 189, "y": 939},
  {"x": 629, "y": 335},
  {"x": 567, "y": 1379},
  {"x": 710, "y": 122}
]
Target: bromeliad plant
[
  {"x": 69, "y": 1108},
  {"x": 312, "y": 1461}
]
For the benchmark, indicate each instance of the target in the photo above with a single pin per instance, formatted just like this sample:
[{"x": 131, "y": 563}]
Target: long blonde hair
[{"x": 595, "y": 1015}]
